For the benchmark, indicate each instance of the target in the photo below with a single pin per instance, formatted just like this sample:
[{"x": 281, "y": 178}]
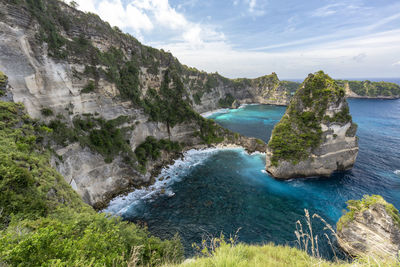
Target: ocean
[{"x": 216, "y": 191}]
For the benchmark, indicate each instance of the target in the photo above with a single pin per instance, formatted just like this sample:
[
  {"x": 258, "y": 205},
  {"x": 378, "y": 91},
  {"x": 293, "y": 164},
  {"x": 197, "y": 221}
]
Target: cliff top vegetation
[{"x": 299, "y": 131}]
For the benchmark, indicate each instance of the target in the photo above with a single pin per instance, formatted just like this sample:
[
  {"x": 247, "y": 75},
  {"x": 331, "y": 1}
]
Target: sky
[{"x": 251, "y": 38}]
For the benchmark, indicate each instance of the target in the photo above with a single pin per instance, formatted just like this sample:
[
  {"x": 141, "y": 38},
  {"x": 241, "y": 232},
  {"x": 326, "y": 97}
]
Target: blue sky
[{"x": 250, "y": 38}]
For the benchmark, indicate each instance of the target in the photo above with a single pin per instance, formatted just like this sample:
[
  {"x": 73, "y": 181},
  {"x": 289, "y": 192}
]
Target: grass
[
  {"x": 257, "y": 256},
  {"x": 270, "y": 255},
  {"x": 220, "y": 252}
]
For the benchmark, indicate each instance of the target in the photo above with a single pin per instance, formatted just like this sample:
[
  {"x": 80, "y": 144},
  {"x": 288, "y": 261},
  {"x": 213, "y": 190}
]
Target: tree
[{"x": 74, "y": 4}]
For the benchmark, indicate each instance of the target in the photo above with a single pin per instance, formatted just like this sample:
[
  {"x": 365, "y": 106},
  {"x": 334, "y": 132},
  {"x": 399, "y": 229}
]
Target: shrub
[
  {"x": 89, "y": 87},
  {"x": 151, "y": 149},
  {"x": 227, "y": 101},
  {"x": 46, "y": 112}
]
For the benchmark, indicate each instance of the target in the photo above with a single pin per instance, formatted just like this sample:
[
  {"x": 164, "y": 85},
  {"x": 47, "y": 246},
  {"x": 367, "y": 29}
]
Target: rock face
[
  {"x": 316, "y": 136},
  {"x": 371, "y": 227},
  {"x": 45, "y": 75}
]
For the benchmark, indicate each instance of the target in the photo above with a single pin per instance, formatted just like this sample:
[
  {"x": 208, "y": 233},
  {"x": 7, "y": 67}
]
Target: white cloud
[
  {"x": 337, "y": 58},
  {"x": 255, "y": 8},
  {"x": 339, "y": 6},
  {"x": 205, "y": 47},
  {"x": 141, "y": 16}
]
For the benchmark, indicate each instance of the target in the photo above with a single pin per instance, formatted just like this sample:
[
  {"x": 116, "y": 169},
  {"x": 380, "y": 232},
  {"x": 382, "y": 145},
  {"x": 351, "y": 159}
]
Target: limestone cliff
[
  {"x": 316, "y": 135},
  {"x": 371, "y": 227},
  {"x": 102, "y": 93}
]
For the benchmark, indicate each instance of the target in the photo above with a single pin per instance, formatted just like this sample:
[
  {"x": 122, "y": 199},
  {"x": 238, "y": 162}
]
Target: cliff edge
[
  {"x": 316, "y": 135},
  {"x": 370, "y": 227}
]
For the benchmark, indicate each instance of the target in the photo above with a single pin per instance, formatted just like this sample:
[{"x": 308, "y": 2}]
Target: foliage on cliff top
[
  {"x": 358, "y": 206},
  {"x": 70, "y": 238},
  {"x": 43, "y": 222},
  {"x": 29, "y": 187},
  {"x": 299, "y": 131},
  {"x": 372, "y": 89}
]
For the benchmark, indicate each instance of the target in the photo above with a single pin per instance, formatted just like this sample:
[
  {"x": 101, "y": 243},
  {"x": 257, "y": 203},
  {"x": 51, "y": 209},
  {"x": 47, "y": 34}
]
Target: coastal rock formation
[
  {"x": 85, "y": 79},
  {"x": 371, "y": 227},
  {"x": 316, "y": 135},
  {"x": 368, "y": 89}
]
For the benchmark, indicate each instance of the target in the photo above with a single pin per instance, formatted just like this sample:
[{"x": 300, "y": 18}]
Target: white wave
[
  {"x": 167, "y": 177},
  {"x": 209, "y": 113},
  {"x": 397, "y": 172}
]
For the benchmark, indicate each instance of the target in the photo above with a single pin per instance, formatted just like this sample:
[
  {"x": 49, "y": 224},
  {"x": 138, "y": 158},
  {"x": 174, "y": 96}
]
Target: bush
[
  {"x": 67, "y": 238},
  {"x": 89, "y": 87},
  {"x": 151, "y": 149},
  {"x": 227, "y": 101},
  {"x": 46, "y": 112}
]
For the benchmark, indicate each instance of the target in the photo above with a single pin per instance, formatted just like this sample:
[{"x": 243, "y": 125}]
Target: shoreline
[{"x": 249, "y": 145}]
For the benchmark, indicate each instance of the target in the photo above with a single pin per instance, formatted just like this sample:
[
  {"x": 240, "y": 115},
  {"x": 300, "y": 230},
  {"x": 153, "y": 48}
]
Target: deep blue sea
[{"x": 214, "y": 191}]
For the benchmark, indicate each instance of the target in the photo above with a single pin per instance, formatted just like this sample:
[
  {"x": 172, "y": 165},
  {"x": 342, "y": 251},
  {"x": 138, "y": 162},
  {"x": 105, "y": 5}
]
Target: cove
[{"x": 219, "y": 191}]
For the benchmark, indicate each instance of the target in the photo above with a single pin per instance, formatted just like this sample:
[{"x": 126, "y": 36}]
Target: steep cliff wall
[
  {"x": 78, "y": 75},
  {"x": 316, "y": 136}
]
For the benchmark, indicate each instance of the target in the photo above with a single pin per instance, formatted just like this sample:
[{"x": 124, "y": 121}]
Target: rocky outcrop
[
  {"x": 316, "y": 136},
  {"x": 372, "y": 90},
  {"x": 371, "y": 227}
]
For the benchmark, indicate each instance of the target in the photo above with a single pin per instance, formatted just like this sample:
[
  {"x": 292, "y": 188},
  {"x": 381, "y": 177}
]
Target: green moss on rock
[
  {"x": 358, "y": 206},
  {"x": 299, "y": 131}
]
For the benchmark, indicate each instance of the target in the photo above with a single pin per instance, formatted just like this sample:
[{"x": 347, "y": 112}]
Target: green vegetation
[
  {"x": 358, "y": 206},
  {"x": 291, "y": 86},
  {"x": 227, "y": 101},
  {"x": 299, "y": 130},
  {"x": 47, "y": 112},
  {"x": 104, "y": 137},
  {"x": 197, "y": 98},
  {"x": 89, "y": 87},
  {"x": 372, "y": 89},
  {"x": 170, "y": 105},
  {"x": 3, "y": 81},
  {"x": 49, "y": 14},
  {"x": 151, "y": 149},
  {"x": 211, "y": 133},
  {"x": 26, "y": 177},
  {"x": 241, "y": 255},
  {"x": 43, "y": 222}
]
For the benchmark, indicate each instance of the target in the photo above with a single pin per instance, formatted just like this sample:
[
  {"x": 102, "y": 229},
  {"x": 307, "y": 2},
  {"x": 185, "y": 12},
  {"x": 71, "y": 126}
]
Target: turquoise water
[{"x": 216, "y": 191}]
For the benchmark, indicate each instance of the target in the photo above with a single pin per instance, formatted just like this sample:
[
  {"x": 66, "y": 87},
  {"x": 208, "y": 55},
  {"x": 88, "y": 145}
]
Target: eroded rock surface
[
  {"x": 370, "y": 228},
  {"x": 316, "y": 136}
]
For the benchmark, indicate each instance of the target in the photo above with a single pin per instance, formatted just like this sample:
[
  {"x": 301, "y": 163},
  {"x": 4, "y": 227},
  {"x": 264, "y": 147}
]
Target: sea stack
[
  {"x": 371, "y": 227},
  {"x": 316, "y": 136}
]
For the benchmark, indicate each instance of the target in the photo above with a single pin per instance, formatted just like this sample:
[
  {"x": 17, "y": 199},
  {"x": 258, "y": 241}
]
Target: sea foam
[
  {"x": 397, "y": 172},
  {"x": 168, "y": 176},
  {"x": 210, "y": 113}
]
